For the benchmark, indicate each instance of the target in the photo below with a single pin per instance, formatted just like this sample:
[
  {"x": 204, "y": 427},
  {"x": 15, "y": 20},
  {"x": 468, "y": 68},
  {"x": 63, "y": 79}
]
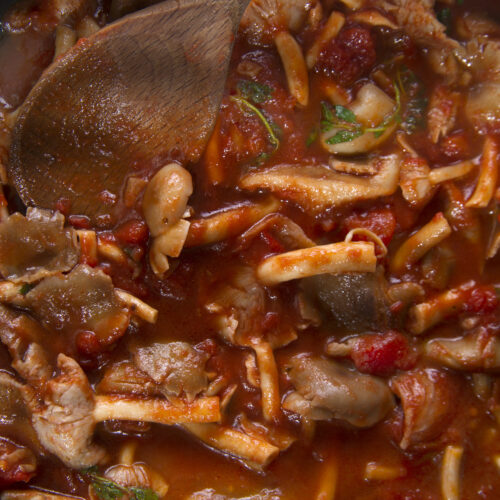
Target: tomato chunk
[
  {"x": 382, "y": 354},
  {"x": 380, "y": 221}
]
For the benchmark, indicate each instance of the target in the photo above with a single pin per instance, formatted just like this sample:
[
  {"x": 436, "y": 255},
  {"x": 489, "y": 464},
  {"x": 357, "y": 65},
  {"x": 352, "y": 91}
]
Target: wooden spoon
[{"x": 141, "y": 90}]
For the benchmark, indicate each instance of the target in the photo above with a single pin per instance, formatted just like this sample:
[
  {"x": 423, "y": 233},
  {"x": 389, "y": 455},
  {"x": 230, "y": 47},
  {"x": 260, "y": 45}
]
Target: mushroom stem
[{"x": 156, "y": 410}]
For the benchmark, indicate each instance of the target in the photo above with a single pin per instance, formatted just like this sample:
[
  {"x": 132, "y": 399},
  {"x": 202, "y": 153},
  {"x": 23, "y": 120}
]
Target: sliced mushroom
[
  {"x": 84, "y": 299},
  {"x": 176, "y": 366},
  {"x": 36, "y": 246},
  {"x": 316, "y": 188},
  {"x": 326, "y": 389},
  {"x": 356, "y": 301}
]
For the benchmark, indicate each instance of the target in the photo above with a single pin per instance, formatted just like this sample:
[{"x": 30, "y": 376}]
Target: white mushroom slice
[
  {"x": 156, "y": 410},
  {"x": 488, "y": 175},
  {"x": 228, "y": 223},
  {"x": 371, "y": 107},
  {"x": 332, "y": 27},
  {"x": 428, "y": 314},
  {"x": 450, "y": 472},
  {"x": 268, "y": 377},
  {"x": 294, "y": 65},
  {"x": 256, "y": 452},
  {"x": 372, "y": 17},
  {"x": 263, "y": 18},
  {"x": 417, "y": 245},
  {"x": 137, "y": 475},
  {"x": 336, "y": 258},
  {"x": 326, "y": 389},
  {"x": 166, "y": 196},
  {"x": 443, "y": 174},
  {"x": 316, "y": 188},
  {"x": 474, "y": 352},
  {"x": 137, "y": 306},
  {"x": 414, "y": 181},
  {"x": 168, "y": 244}
]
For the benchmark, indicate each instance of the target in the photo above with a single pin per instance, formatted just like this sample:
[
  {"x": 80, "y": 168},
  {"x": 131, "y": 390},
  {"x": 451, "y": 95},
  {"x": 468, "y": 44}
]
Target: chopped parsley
[
  {"x": 313, "y": 135},
  {"x": 25, "y": 288},
  {"x": 271, "y": 127},
  {"x": 342, "y": 118},
  {"x": 416, "y": 100},
  {"x": 253, "y": 91}
]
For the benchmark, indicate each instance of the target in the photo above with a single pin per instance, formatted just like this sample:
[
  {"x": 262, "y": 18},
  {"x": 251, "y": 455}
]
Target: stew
[{"x": 311, "y": 311}]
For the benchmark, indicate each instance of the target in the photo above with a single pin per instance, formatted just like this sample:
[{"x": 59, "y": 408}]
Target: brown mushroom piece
[
  {"x": 84, "y": 299},
  {"x": 176, "y": 366},
  {"x": 36, "y": 246},
  {"x": 325, "y": 389},
  {"x": 356, "y": 301}
]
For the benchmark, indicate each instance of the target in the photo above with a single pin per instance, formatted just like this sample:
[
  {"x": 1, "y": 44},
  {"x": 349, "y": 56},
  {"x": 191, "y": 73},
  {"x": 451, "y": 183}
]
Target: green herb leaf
[
  {"x": 25, "y": 288},
  {"x": 254, "y": 91},
  {"x": 143, "y": 493},
  {"x": 270, "y": 126},
  {"x": 106, "y": 489},
  {"x": 444, "y": 17},
  {"x": 313, "y": 135},
  {"x": 345, "y": 114},
  {"x": 344, "y": 136},
  {"x": 327, "y": 112}
]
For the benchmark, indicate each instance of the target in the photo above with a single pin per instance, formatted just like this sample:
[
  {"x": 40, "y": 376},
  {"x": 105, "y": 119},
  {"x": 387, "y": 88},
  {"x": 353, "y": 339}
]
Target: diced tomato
[
  {"x": 79, "y": 221},
  {"x": 88, "y": 343},
  {"x": 17, "y": 464},
  {"x": 382, "y": 354},
  {"x": 455, "y": 147},
  {"x": 349, "y": 56},
  {"x": 381, "y": 221},
  {"x": 63, "y": 205},
  {"x": 481, "y": 300},
  {"x": 133, "y": 232}
]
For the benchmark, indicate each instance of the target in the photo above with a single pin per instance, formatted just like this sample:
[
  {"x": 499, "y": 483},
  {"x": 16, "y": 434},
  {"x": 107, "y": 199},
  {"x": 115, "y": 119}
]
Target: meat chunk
[
  {"x": 22, "y": 336},
  {"x": 17, "y": 463},
  {"x": 326, "y": 389},
  {"x": 428, "y": 397},
  {"x": 417, "y": 17},
  {"x": 82, "y": 300},
  {"x": 177, "y": 366},
  {"x": 356, "y": 301},
  {"x": 238, "y": 307},
  {"x": 36, "y": 246},
  {"x": 64, "y": 420}
]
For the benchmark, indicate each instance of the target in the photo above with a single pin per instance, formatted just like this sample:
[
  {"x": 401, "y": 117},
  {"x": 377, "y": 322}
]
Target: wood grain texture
[{"x": 139, "y": 90}]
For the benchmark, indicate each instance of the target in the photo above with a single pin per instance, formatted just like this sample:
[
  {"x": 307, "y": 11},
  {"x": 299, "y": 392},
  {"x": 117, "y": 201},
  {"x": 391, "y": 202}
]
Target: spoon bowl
[{"x": 138, "y": 92}]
